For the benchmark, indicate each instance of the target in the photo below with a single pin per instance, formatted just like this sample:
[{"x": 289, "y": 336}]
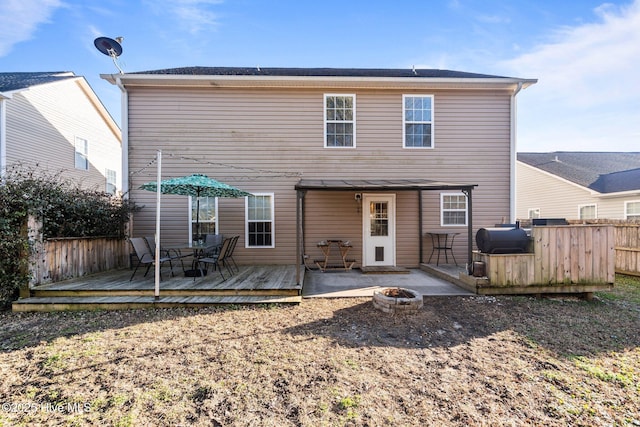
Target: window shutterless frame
[
  {"x": 588, "y": 211},
  {"x": 632, "y": 209},
  {"x": 81, "y": 153},
  {"x": 208, "y": 217},
  {"x": 339, "y": 120},
  {"x": 417, "y": 121},
  {"x": 260, "y": 221},
  {"x": 533, "y": 213},
  {"x": 453, "y": 210}
]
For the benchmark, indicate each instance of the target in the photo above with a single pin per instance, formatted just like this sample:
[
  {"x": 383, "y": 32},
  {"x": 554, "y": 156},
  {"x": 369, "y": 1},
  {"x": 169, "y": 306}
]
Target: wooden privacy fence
[
  {"x": 62, "y": 259},
  {"x": 564, "y": 259},
  {"x": 53, "y": 260},
  {"x": 574, "y": 254},
  {"x": 628, "y": 249}
]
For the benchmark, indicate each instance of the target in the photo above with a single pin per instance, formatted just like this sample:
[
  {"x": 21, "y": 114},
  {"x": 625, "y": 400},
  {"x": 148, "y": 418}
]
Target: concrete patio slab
[{"x": 344, "y": 284}]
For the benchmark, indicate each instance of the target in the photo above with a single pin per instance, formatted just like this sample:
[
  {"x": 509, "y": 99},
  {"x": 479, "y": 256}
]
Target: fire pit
[{"x": 397, "y": 300}]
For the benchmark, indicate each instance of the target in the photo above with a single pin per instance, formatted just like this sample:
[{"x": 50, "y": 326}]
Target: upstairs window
[
  {"x": 417, "y": 113},
  {"x": 632, "y": 210},
  {"x": 340, "y": 121},
  {"x": 82, "y": 154},
  {"x": 453, "y": 209}
]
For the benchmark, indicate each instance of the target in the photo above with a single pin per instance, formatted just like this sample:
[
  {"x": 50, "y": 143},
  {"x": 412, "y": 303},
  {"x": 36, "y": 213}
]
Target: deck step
[
  {"x": 135, "y": 302},
  {"x": 186, "y": 292}
]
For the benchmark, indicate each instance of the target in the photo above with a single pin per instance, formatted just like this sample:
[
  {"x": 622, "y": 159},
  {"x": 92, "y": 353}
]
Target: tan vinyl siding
[
  {"x": 42, "y": 124},
  {"x": 266, "y": 140},
  {"x": 558, "y": 198}
]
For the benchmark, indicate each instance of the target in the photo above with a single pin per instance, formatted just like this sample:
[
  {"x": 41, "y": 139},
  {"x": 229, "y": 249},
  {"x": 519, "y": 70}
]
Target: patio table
[
  {"x": 343, "y": 248},
  {"x": 442, "y": 241},
  {"x": 197, "y": 248}
]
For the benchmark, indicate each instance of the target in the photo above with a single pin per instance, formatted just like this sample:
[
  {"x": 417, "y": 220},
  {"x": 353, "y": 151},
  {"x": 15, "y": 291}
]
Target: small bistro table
[
  {"x": 442, "y": 241},
  {"x": 343, "y": 249},
  {"x": 198, "y": 249}
]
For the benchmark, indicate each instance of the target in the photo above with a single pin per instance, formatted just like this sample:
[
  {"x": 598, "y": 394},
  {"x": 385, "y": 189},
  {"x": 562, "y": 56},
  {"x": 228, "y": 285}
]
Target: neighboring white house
[
  {"x": 578, "y": 185},
  {"x": 53, "y": 121}
]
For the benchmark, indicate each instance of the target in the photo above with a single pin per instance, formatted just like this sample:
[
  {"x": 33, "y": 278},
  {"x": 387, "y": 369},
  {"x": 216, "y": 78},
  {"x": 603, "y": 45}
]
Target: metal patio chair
[
  {"x": 232, "y": 248},
  {"x": 146, "y": 256},
  {"x": 218, "y": 261}
]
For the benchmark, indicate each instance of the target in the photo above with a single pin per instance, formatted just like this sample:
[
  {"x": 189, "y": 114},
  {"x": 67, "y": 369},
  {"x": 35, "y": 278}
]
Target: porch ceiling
[{"x": 379, "y": 185}]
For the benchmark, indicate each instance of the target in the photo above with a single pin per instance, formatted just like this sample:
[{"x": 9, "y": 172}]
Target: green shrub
[{"x": 65, "y": 209}]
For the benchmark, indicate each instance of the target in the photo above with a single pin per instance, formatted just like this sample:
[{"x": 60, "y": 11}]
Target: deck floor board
[{"x": 113, "y": 289}]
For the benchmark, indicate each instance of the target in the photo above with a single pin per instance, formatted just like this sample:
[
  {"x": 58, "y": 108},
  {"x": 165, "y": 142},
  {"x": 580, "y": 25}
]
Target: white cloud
[
  {"x": 587, "y": 96},
  {"x": 192, "y": 16},
  {"x": 21, "y": 18}
]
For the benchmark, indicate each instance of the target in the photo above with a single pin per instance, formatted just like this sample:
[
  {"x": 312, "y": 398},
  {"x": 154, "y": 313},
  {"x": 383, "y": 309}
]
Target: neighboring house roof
[
  {"x": 16, "y": 81},
  {"x": 604, "y": 172}
]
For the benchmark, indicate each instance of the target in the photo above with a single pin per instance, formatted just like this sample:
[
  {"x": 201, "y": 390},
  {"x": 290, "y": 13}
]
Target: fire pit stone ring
[{"x": 397, "y": 300}]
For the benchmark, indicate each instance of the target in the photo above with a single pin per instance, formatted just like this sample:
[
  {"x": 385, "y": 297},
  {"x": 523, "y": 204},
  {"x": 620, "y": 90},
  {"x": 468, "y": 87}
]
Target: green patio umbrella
[{"x": 196, "y": 185}]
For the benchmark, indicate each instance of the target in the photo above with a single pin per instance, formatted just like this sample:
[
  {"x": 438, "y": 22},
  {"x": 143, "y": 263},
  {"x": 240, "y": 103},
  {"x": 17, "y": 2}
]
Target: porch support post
[
  {"x": 420, "y": 225},
  {"x": 299, "y": 234},
  {"x": 467, "y": 192}
]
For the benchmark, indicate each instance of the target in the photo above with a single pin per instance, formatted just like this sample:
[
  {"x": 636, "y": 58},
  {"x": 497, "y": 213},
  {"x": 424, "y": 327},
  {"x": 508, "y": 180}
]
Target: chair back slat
[
  {"x": 224, "y": 250},
  {"x": 142, "y": 249}
]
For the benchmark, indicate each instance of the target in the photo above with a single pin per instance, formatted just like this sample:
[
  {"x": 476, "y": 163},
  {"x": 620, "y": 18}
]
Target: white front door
[{"x": 379, "y": 229}]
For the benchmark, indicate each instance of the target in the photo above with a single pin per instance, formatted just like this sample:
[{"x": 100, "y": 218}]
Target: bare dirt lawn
[{"x": 461, "y": 361}]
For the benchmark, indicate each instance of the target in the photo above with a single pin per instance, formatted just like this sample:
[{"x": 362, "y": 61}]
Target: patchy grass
[
  {"x": 460, "y": 361},
  {"x": 627, "y": 288}
]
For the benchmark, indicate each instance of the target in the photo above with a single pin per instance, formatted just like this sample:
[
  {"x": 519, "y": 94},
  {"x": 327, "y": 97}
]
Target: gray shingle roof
[
  {"x": 319, "y": 72},
  {"x": 23, "y": 80},
  {"x": 604, "y": 172}
]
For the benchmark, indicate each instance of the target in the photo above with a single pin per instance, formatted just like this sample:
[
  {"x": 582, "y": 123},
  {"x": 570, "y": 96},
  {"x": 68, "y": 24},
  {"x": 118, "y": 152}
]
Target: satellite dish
[{"x": 110, "y": 47}]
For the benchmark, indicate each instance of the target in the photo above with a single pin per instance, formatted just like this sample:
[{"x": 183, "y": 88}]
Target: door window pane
[{"x": 379, "y": 216}]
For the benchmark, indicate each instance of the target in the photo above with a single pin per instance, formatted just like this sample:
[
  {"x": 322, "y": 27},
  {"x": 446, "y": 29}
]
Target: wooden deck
[{"x": 112, "y": 290}]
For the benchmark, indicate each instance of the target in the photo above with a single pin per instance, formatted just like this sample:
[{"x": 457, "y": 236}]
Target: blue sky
[{"x": 585, "y": 53}]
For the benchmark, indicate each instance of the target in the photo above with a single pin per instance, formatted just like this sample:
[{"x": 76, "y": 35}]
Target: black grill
[{"x": 501, "y": 240}]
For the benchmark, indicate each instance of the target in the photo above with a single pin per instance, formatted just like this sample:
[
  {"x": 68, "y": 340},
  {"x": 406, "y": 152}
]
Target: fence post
[{"x": 37, "y": 256}]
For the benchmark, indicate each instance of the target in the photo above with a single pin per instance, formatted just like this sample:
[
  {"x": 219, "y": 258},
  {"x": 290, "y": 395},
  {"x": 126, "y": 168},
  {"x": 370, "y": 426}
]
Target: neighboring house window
[
  {"x": 110, "y": 176},
  {"x": 588, "y": 212},
  {"x": 534, "y": 213},
  {"x": 82, "y": 154},
  {"x": 417, "y": 113},
  {"x": 340, "y": 120},
  {"x": 453, "y": 209},
  {"x": 207, "y": 217},
  {"x": 260, "y": 221},
  {"x": 632, "y": 210}
]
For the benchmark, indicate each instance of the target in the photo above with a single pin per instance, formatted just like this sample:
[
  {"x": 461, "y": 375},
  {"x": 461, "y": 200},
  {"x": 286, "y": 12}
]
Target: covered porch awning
[{"x": 381, "y": 185}]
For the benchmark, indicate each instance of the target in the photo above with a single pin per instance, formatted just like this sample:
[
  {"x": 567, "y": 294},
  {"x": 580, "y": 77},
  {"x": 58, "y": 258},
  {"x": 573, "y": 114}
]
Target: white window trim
[
  {"x": 466, "y": 210},
  {"x": 529, "y": 213},
  {"x": 626, "y": 207},
  {"x": 191, "y": 219},
  {"x": 115, "y": 181},
  {"x": 353, "y": 122},
  {"x": 587, "y": 206},
  {"x": 75, "y": 153},
  {"x": 273, "y": 221},
  {"x": 432, "y": 122}
]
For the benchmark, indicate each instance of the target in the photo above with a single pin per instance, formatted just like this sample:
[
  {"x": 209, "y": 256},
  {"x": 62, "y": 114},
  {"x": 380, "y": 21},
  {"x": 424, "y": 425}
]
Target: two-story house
[
  {"x": 375, "y": 157},
  {"x": 54, "y": 122}
]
